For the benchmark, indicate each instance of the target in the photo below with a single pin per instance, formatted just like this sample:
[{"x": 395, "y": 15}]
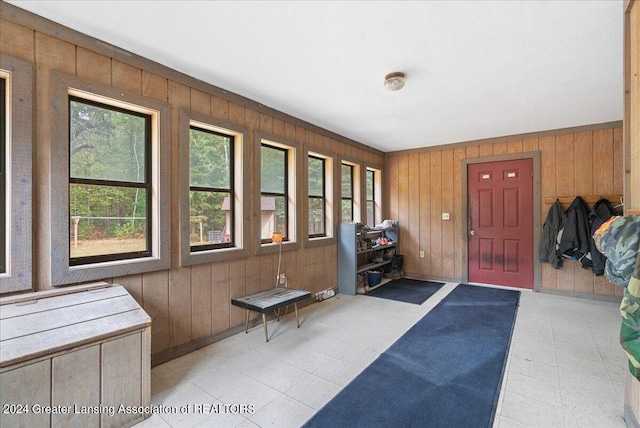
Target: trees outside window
[
  {"x": 346, "y": 174},
  {"x": 109, "y": 182},
  {"x": 211, "y": 172},
  {"x": 317, "y": 199}
]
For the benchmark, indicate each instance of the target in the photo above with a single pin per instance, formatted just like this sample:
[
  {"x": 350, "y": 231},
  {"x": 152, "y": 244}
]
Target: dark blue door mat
[
  {"x": 446, "y": 371},
  {"x": 407, "y": 290}
]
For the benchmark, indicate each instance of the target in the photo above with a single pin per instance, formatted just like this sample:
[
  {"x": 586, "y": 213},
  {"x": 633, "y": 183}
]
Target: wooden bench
[{"x": 270, "y": 300}]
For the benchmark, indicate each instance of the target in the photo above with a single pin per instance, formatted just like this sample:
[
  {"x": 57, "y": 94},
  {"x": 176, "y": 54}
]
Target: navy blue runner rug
[
  {"x": 446, "y": 371},
  {"x": 407, "y": 290}
]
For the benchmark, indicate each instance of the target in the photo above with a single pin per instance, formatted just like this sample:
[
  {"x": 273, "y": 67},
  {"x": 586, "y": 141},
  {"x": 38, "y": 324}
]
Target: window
[
  {"x": 346, "y": 174},
  {"x": 370, "y": 196},
  {"x": 109, "y": 210},
  {"x": 276, "y": 197},
  {"x": 16, "y": 171},
  {"x": 109, "y": 182},
  {"x": 211, "y": 206},
  {"x": 373, "y": 196},
  {"x": 317, "y": 200},
  {"x": 213, "y": 175},
  {"x": 274, "y": 192}
]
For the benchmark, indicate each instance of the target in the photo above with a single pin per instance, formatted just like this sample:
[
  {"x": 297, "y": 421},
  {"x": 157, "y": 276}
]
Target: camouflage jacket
[
  {"x": 619, "y": 239},
  {"x": 617, "y": 243}
]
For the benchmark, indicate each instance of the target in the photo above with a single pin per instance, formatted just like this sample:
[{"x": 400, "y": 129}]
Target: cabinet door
[
  {"x": 76, "y": 383},
  {"x": 122, "y": 378},
  {"x": 24, "y": 388}
]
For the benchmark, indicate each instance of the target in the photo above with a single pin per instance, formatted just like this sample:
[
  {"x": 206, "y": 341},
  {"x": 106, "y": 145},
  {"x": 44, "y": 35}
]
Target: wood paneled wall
[
  {"x": 423, "y": 184},
  {"x": 186, "y": 303}
]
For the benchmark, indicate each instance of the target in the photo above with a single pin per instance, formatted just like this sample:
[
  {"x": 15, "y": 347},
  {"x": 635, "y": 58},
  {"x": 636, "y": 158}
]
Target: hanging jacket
[
  {"x": 555, "y": 221},
  {"x": 619, "y": 240},
  {"x": 601, "y": 212},
  {"x": 577, "y": 234},
  {"x": 630, "y": 311}
]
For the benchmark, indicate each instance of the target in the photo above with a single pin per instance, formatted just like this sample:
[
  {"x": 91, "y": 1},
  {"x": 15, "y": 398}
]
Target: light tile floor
[{"x": 565, "y": 368}]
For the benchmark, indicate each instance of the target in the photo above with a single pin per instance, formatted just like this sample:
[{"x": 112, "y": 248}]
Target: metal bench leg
[
  {"x": 295, "y": 305},
  {"x": 246, "y": 322},
  {"x": 264, "y": 321}
]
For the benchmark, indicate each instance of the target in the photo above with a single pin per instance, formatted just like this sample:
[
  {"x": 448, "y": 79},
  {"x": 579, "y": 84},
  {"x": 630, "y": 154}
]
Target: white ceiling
[{"x": 474, "y": 69}]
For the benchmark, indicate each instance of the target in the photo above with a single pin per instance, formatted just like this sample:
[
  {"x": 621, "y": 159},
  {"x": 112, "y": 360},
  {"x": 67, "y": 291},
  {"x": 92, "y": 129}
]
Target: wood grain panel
[
  {"x": 403, "y": 212},
  {"x": 278, "y": 127},
  {"x": 220, "y": 297},
  {"x": 237, "y": 288},
  {"x": 133, "y": 285},
  {"x": 121, "y": 378},
  {"x": 435, "y": 254},
  {"x": 472, "y": 151},
  {"x": 236, "y": 113},
  {"x": 266, "y": 123},
  {"x": 180, "y": 308},
  {"x": 459, "y": 223},
  {"x": 83, "y": 366},
  {"x": 448, "y": 247},
  {"x": 485, "y": 150},
  {"x": 618, "y": 162},
  {"x": 564, "y": 165},
  {"x": 413, "y": 248},
  {"x": 154, "y": 86},
  {"x": 16, "y": 40},
  {"x": 127, "y": 77},
  {"x": 200, "y": 102},
  {"x": 583, "y": 163},
  {"x": 515, "y": 146},
  {"x": 155, "y": 293},
  {"x": 201, "y": 300},
  {"x": 425, "y": 212},
  {"x": 501, "y": 148},
  {"x": 24, "y": 386},
  {"x": 603, "y": 163},
  {"x": 530, "y": 145},
  {"x": 219, "y": 108},
  {"x": 93, "y": 66}
]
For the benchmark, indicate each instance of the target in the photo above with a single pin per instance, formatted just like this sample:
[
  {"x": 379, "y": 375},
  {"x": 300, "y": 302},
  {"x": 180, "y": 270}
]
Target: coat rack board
[{"x": 589, "y": 199}]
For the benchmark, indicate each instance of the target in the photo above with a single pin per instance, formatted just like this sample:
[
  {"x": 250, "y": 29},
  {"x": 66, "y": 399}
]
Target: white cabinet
[{"x": 73, "y": 357}]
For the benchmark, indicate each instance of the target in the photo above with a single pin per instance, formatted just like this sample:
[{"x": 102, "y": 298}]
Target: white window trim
[
  {"x": 330, "y": 189},
  {"x": 356, "y": 191},
  {"x": 294, "y": 166},
  {"x": 190, "y": 118},
  {"x": 60, "y": 272},
  {"x": 19, "y": 168}
]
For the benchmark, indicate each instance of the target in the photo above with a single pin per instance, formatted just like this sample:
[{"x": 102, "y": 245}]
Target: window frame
[
  {"x": 356, "y": 189},
  {"x": 240, "y": 178},
  {"x": 322, "y": 197},
  {"x": 331, "y": 190},
  {"x": 377, "y": 195},
  {"x": 60, "y": 271},
  {"x": 19, "y": 172},
  {"x": 145, "y": 185},
  {"x": 293, "y": 167}
]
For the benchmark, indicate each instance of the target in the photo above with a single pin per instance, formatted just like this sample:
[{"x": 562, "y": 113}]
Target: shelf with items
[{"x": 361, "y": 250}]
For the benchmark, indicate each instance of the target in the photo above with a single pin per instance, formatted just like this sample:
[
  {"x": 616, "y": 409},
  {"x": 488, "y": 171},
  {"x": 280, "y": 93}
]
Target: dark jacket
[
  {"x": 555, "y": 221},
  {"x": 576, "y": 236},
  {"x": 601, "y": 212}
]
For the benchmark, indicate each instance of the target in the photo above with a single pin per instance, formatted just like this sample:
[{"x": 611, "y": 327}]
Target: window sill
[
  {"x": 274, "y": 248},
  {"x": 210, "y": 256},
  {"x": 317, "y": 242}
]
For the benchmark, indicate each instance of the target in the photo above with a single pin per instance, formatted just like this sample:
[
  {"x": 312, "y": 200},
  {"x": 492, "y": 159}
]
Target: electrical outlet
[
  {"x": 421, "y": 254},
  {"x": 283, "y": 279},
  {"x": 445, "y": 216}
]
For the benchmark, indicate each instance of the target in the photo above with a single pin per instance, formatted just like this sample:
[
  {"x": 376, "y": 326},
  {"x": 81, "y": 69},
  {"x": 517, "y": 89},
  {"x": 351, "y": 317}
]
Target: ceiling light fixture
[{"x": 394, "y": 81}]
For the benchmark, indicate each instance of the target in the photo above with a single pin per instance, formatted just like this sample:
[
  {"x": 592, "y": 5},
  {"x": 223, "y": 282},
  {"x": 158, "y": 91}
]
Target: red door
[{"x": 501, "y": 223}]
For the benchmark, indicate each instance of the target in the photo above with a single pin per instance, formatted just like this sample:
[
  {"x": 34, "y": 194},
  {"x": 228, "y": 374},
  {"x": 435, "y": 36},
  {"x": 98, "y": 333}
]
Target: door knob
[{"x": 472, "y": 232}]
